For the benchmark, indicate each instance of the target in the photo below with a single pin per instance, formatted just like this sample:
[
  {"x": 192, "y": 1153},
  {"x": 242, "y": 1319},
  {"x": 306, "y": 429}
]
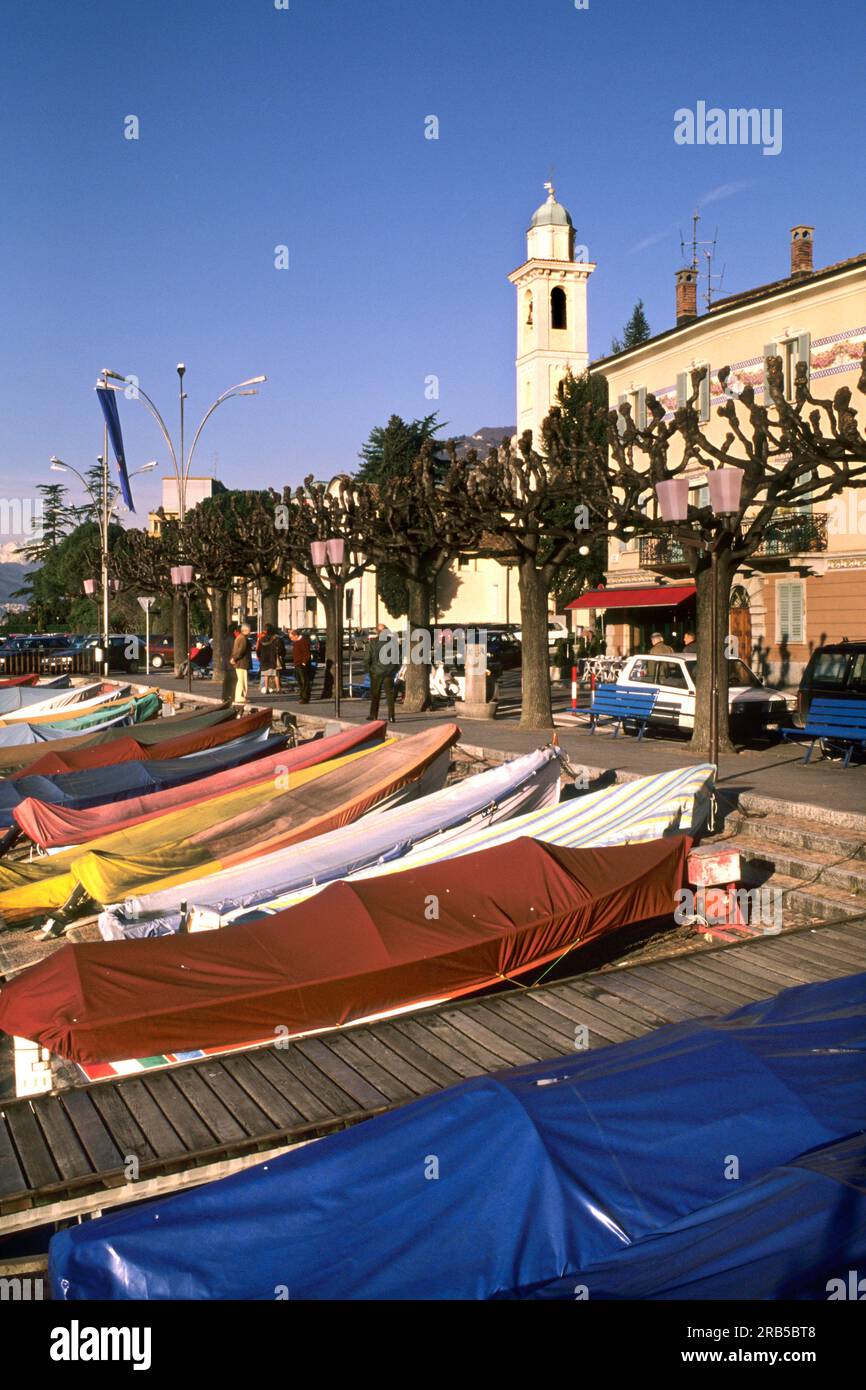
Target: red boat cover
[
  {"x": 19, "y": 680},
  {"x": 125, "y": 750},
  {"x": 351, "y": 951},
  {"x": 51, "y": 826}
]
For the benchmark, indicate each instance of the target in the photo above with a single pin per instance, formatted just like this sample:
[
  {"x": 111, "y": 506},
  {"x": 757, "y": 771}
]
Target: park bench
[
  {"x": 839, "y": 723},
  {"x": 620, "y": 704}
]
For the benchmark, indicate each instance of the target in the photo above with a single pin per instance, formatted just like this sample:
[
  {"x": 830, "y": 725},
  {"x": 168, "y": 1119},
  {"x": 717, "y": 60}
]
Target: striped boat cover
[{"x": 668, "y": 803}]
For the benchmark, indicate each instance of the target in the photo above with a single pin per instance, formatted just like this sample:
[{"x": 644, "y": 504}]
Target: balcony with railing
[{"x": 796, "y": 533}]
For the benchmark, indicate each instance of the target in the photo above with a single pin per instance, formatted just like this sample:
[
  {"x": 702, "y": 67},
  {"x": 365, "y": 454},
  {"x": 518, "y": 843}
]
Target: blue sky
[{"x": 305, "y": 127}]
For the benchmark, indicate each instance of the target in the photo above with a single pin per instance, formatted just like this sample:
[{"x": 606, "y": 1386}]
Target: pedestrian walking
[
  {"x": 302, "y": 656},
  {"x": 379, "y": 661},
  {"x": 240, "y": 662}
]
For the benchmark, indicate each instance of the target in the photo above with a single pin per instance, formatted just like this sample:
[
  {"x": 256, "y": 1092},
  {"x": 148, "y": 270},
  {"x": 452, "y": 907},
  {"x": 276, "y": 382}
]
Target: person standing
[
  {"x": 240, "y": 661},
  {"x": 302, "y": 656},
  {"x": 689, "y": 643},
  {"x": 379, "y": 661},
  {"x": 267, "y": 653},
  {"x": 659, "y": 646}
]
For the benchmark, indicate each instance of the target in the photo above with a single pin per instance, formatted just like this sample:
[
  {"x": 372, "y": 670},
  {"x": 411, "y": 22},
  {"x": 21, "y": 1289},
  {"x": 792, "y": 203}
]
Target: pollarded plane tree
[
  {"x": 416, "y": 523},
  {"x": 319, "y": 511},
  {"x": 806, "y": 449},
  {"x": 537, "y": 510}
]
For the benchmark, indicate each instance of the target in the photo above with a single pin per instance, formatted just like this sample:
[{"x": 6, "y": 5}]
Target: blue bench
[
  {"x": 620, "y": 704},
  {"x": 840, "y": 722}
]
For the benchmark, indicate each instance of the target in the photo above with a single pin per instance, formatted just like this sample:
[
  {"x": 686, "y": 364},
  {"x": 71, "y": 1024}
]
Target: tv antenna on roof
[{"x": 695, "y": 246}]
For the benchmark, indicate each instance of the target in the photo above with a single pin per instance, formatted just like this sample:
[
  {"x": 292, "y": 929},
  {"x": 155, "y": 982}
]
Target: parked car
[
  {"x": 752, "y": 707},
  {"x": 835, "y": 671}
]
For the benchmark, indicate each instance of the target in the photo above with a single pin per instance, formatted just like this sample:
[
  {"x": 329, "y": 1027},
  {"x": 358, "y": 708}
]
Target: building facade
[{"x": 807, "y": 583}]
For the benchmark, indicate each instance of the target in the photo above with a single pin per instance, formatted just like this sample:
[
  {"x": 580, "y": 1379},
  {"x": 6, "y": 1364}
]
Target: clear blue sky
[{"x": 305, "y": 127}]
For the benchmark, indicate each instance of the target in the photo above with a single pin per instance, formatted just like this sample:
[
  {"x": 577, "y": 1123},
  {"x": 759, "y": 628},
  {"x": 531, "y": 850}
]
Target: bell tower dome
[{"x": 551, "y": 313}]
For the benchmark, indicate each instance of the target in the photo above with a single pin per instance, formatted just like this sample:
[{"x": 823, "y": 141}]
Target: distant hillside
[
  {"x": 11, "y": 578},
  {"x": 484, "y": 439}
]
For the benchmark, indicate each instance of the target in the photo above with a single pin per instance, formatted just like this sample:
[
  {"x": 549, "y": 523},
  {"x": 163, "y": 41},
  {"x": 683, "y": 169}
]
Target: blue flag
[{"x": 112, "y": 419}]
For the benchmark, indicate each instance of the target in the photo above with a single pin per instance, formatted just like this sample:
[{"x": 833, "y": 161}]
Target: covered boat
[
  {"x": 15, "y": 757},
  {"x": 130, "y": 793},
  {"x": 602, "y": 1175},
  {"x": 18, "y": 680},
  {"x": 182, "y": 845},
  {"x": 177, "y": 739},
  {"x": 406, "y": 940},
  {"x": 528, "y": 782},
  {"x": 645, "y": 809},
  {"x": 107, "y": 789},
  {"x": 40, "y": 707},
  {"x": 91, "y": 715}
]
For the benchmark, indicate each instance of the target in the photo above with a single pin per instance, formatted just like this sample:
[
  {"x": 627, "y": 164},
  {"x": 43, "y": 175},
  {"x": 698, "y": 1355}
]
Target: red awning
[{"x": 653, "y": 596}]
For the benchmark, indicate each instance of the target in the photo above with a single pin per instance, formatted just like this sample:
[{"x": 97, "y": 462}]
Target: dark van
[{"x": 834, "y": 671}]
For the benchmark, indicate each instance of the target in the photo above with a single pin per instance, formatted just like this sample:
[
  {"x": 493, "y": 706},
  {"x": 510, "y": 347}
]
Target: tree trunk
[
  {"x": 180, "y": 634},
  {"x": 536, "y": 711},
  {"x": 417, "y": 672},
  {"x": 272, "y": 587},
  {"x": 700, "y": 742},
  {"x": 219, "y": 630}
]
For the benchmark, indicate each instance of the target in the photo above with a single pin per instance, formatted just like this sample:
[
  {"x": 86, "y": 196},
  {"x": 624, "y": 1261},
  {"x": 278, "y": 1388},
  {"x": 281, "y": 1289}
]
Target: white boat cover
[{"x": 530, "y": 782}]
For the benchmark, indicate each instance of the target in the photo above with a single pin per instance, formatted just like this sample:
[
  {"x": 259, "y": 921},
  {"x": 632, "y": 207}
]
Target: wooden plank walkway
[{"x": 69, "y": 1152}]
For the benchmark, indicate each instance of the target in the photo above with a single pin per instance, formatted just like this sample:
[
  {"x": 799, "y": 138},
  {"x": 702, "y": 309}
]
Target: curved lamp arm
[{"x": 226, "y": 395}]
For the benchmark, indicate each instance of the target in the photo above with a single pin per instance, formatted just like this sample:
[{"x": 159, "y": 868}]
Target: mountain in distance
[
  {"x": 483, "y": 440},
  {"x": 12, "y": 570}
]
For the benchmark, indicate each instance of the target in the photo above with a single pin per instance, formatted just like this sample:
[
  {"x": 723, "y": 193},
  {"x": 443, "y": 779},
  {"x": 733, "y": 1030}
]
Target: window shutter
[
  {"x": 704, "y": 397},
  {"x": 770, "y": 350},
  {"x": 682, "y": 388},
  {"x": 789, "y": 618},
  {"x": 620, "y": 419},
  {"x": 641, "y": 408},
  {"x": 804, "y": 351}
]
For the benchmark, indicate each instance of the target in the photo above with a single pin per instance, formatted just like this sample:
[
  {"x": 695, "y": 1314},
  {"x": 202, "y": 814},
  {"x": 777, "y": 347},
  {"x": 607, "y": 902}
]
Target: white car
[{"x": 751, "y": 705}]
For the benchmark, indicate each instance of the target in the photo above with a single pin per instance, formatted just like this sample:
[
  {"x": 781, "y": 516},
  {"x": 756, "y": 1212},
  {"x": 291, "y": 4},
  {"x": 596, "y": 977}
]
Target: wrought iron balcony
[
  {"x": 661, "y": 552},
  {"x": 799, "y": 533}
]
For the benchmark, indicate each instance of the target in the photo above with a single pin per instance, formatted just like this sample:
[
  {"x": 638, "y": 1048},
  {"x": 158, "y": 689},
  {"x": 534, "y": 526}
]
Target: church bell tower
[{"x": 551, "y": 314}]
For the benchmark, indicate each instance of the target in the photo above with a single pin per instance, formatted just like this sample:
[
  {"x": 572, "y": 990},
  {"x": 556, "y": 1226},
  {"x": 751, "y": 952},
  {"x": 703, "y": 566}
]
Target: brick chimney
[
  {"x": 801, "y": 250},
  {"x": 687, "y": 295}
]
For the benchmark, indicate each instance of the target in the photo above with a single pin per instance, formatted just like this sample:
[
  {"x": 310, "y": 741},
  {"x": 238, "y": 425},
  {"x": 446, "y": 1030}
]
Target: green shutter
[
  {"x": 682, "y": 388},
  {"x": 620, "y": 419},
  {"x": 641, "y": 408},
  {"x": 704, "y": 397}
]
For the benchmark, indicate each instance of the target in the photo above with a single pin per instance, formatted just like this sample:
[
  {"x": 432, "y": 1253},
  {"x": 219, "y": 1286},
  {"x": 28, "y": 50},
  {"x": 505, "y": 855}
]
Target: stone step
[
  {"x": 800, "y": 834},
  {"x": 830, "y": 870},
  {"x": 805, "y": 901}
]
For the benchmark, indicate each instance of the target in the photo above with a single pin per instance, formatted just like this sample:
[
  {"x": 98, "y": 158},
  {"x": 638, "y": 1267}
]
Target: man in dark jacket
[
  {"x": 302, "y": 656},
  {"x": 379, "y": 661},
  {"x": 240, "y": 661}
]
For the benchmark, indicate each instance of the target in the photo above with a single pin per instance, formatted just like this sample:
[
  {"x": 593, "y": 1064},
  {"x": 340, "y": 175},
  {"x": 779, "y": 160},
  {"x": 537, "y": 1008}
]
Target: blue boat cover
[
  {"x": 720, "y": 1158},
  {"x": 94, "y": 786}
]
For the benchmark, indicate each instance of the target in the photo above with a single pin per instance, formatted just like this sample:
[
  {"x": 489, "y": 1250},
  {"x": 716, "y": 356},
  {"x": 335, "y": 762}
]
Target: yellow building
[{"x": 807, "y": 583}]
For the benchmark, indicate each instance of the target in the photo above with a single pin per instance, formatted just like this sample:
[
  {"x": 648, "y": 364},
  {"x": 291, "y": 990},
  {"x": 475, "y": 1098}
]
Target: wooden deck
[{"x": 65, "y": 1153}]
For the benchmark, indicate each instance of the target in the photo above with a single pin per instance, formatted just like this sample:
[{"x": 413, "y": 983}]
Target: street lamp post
[
  {"x": 725, "y": 486},
  {"x": 181, "y": 578},
  {"x": 181, "y": 464},
  {"x": 331, "y": 555},
  {"x": 104, "y": 506}
]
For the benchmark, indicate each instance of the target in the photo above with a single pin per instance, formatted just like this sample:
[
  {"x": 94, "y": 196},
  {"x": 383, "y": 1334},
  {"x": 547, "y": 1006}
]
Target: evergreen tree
[
  {"x": 637, "y": 330},
  {"x": 56, "y": 520},
  {"x": 391, "y": 452}
]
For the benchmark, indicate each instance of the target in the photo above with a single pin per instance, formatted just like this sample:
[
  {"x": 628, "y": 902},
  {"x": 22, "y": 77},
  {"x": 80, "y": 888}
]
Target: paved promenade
[{"x": 772, "y": 770}]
